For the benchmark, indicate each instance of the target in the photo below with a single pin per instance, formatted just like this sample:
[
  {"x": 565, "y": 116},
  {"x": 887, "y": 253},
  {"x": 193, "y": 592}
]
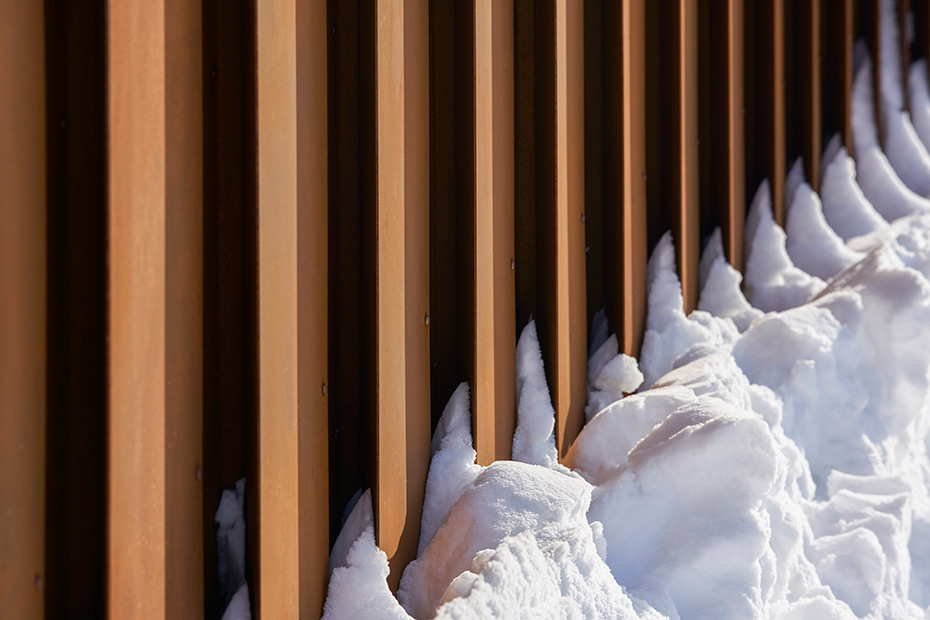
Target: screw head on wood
[
  {"x": 324, "y": 388},
  {"x": 426, "y": 319}
]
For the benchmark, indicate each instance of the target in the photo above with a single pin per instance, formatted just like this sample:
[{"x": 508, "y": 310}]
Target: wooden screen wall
[{"x": 269, "y": 239}]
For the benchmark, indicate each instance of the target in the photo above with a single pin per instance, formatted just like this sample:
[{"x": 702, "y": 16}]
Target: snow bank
[
  {"x": 230, "y": 548},
  {"x": 721, "y": 294},
  {"x": 780, "y": 471}
]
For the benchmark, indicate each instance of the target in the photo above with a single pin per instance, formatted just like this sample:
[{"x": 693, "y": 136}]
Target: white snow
[
  {"x": 230, "y": 546},
  {"x": 919, "y": 98},
  {"x": 772, "y": 281},
  {"x": 847, "y": 211},
  {"x": 720, "y": 282}
]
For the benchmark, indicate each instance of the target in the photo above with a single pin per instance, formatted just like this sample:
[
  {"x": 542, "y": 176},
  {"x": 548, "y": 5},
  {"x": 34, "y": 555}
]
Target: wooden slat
[
  {"x": 416, "y": 278},
  {"x": 922, "y": 31},
  {"x": 312, "y": 303},
  {"x": 722, "y": 164},
  {"x": 625, "y": 156},
  {"x": 137, "y": 428},
  {"x": 22, "y": 309},
  {"x": 595, "y": 233},
  {"x": 811, "y": 106},
  {"x": 494, "y": 396},
  {"x": 390, "y": 354},
  {"x": 837, "y": 38},
  {"x": 560, "y": 175},
  {"x": 184, "y": 308},
  {"x": 276, "y": 587}
]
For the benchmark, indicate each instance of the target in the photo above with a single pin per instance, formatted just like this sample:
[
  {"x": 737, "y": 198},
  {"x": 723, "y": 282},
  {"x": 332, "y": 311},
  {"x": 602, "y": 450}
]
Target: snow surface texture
[
  {"x": 230, "y": 547},
  {"x": 775, "y": 470}
]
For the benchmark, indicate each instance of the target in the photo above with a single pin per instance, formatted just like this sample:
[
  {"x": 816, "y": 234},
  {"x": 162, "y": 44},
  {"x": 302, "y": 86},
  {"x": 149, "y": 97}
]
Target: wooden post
[
  {"x": 810, "y": 93},
  {"x": 22, "y": 309},
  {"x": 493, "y": 392},
  {"x": 313, "y": 303},
  {"x": 625, "y": 155}
]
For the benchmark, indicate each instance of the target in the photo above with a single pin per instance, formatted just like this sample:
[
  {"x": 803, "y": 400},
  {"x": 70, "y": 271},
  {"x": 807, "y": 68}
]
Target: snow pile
[
  {"x": 919, "y": 97},
  {"x": 846, "y": 209},
  {"x": 230, "y": 547}
]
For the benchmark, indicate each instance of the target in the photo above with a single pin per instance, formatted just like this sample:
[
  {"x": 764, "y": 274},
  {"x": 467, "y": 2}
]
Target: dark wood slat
[{"x": 22, "y": 310}]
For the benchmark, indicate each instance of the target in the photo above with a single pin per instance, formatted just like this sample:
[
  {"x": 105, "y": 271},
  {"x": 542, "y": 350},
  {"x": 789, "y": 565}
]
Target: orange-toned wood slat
[
  {"x": 560, "y": 216},
  {"x": 595, "y": 233},
  {"x": 722, "y": 164},
  {"x": 810, "y": 91},
  {"x": 493, "y": 395},
  {"x": 765, "y": 109},
  {"x": 184, "y": 308},
  {"x": 625, "y": 161},
  {"x": 417, "y": 266},
  {"x": 312, "y": 303},
  {"x": 276, "y": 587},
  {"x": 672, "y": 135},
  {"x": 837, "y": 40},
  {"x": 22, "y": 310},
  {"x": 390, "y": 355}
]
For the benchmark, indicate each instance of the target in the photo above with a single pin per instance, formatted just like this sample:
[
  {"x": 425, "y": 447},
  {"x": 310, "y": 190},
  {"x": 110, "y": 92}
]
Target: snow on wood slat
[
  {"x": 494, "y": 365},
  {"x": 722, "y": 146},
  {"x": 625, "y": 157},
  {"x": 22, "y": 310},
  {"x": 276, "y": 586},
  {"x": 312, "y": 303},
  {"x": 155, "y": 309},
  {"x": 837, "y": 39},
  {"x": 560, "y": 225}
]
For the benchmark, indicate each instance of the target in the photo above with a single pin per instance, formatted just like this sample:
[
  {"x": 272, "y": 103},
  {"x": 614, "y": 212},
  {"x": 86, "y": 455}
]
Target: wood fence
[{"x": 269, "y": 238}]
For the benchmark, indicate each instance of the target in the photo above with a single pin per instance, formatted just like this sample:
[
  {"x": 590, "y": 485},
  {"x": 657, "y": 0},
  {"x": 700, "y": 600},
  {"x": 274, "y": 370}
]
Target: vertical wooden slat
[
  {"x": 494, "y": 396},
  {"x": 137, "y": 429},
  {"x": 390, "y": 354},
  {"x": 277, "y": 592},
  {"x": 560, "y": 225},
  {"x": 155, "y": 196},
  {"x": 184, "y": 308},
  {"x": 811, "y": 107},
  {"x": 22, "y": 309},
  {"x": 837, "y": 37},
  {"x": 595, "y": 233},
  {"x": 416, "y": 278},
  {"x": 722, "y": 164},
  {"x": 312, "y": 303},
  {"x": 625, "y": 156}
]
